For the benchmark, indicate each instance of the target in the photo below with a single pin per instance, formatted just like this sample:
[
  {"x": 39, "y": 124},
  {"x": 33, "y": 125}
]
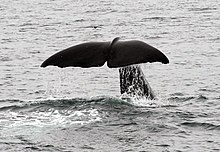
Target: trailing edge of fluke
[{"x": 116, "y": 54}]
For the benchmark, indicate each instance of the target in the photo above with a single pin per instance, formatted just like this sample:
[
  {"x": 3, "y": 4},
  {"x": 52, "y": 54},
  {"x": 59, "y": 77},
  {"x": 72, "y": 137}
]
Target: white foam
[
  {"x": 145, "y": 102},
  {"x": 51, "y": 117}
]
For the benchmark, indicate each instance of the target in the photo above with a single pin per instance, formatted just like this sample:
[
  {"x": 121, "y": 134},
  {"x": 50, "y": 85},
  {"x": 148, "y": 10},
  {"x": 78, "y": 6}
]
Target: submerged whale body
[{"x": 122, "y": 54}]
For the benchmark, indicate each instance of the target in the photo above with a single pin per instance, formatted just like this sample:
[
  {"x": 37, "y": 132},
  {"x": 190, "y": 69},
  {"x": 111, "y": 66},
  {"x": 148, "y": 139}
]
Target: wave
[
  {"x": 49, "y": 112},
  {"x": 62, "y": 103},
  {"x": 55, "y": 111},
  {"x": 57, "y": 103},
  {"x": 179, "y": 97},
  {"x": 203, "y": 125}
]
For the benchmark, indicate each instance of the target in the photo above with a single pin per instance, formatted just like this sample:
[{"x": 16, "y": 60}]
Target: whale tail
[{"x": 116, "y": 54}]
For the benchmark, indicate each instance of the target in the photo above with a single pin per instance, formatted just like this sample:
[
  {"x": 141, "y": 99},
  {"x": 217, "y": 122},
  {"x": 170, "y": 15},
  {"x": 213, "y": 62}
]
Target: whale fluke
[
  {"x": 116, "y": 54},
  {"x": 124, "y": 53},
  {"x": 91, "y": 54}
]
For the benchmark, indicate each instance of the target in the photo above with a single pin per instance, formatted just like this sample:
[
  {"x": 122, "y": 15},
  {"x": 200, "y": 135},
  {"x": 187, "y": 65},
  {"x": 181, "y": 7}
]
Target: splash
[{"x": 142, "y": 101}]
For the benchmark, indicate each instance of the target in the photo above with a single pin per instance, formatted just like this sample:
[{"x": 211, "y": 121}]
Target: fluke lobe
[{"x": 117, "y": 54}]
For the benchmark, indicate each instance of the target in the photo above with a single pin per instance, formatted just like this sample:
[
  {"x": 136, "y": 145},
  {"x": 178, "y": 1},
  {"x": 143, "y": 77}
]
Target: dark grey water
[{"x": 76, "y": 109}]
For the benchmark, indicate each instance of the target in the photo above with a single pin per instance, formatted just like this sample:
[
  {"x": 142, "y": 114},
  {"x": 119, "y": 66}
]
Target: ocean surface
[{"x": 81, "y": 110}]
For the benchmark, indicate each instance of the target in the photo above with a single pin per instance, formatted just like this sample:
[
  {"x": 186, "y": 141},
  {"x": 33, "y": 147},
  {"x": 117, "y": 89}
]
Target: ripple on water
[{"x": 201, "y": 125}]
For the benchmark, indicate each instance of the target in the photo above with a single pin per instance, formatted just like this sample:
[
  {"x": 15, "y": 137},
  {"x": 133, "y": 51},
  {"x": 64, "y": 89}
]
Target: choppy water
[{"x": 76, "y": 109}]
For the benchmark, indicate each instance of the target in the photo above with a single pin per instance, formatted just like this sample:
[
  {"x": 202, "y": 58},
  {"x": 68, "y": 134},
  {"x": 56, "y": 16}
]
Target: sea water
[{"x": 78, "y": 109}]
